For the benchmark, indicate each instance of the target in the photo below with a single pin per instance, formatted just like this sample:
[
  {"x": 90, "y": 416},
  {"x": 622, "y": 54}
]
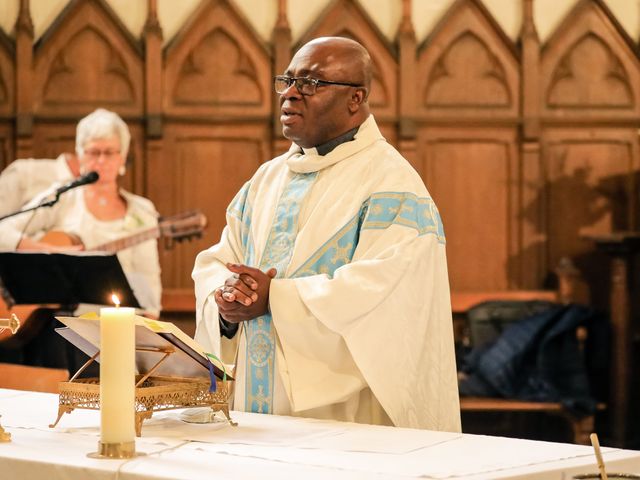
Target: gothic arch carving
[
  {"x": 589, "y": 64},
  {"x": 468, "y": 65},
  {"x": 104, "y": 80},
  {"x": 217, "y": 66},
  {"x": 217, "y": 71},
  {"x": 467, "y": 74},
  {"x": 85, "y": 60},
  {"x": 590, "y": 75}
]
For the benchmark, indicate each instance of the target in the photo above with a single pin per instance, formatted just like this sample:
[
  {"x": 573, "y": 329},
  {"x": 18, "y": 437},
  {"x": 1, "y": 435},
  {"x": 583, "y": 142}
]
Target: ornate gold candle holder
[
  {"x": 152, "y": 394},
  {"x": 155, "y": 394},
  {"x": 4, "y": 436}
]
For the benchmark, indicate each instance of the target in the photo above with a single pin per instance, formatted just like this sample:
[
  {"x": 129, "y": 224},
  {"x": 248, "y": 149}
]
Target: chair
[
  {"x": 36, "y": 379},
  {"x": 569, "y": 289}
]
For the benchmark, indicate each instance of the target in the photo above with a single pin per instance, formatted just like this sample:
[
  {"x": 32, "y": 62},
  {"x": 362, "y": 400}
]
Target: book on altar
[{"x": 153, "y": 339}]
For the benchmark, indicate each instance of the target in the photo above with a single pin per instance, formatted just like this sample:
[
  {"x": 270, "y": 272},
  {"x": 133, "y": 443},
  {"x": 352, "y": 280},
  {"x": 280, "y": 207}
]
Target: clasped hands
[{"x": 245, "y": 294}]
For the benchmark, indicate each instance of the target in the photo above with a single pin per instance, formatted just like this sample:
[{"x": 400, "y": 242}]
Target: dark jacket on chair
[{"x": 539, "y": 358}]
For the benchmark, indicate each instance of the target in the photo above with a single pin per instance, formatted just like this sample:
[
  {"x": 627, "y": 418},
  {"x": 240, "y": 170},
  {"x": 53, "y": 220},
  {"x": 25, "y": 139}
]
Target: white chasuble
[{"x": 359, "y": 327}]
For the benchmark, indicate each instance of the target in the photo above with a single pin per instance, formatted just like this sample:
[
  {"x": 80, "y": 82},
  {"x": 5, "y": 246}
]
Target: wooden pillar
[
  {"x": 624, "y": 391},
  {"x": 281, "y": 40},
  {"x": 153, "y": 94},
  {"x": 620, "y": 348},
  {"x": 24, "y": 82},
  {"x": 407, "y": 49},
  {"x": 530, "y": 75},
  {"x": 533, "y": 267}
]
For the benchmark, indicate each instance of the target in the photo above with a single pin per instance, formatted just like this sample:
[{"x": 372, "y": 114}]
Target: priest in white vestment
[{"x": 333, "y": 263}]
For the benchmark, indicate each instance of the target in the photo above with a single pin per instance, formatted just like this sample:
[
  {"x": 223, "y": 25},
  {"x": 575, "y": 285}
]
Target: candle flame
[{"x": 115, "y": 299}]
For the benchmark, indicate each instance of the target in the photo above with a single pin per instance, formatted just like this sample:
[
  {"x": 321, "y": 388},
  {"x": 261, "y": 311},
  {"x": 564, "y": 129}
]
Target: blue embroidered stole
[{"x": 260, "y": 358}]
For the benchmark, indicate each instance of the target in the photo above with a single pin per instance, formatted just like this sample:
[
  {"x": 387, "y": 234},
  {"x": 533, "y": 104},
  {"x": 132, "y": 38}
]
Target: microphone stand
[{"x": 48, "y": 203}]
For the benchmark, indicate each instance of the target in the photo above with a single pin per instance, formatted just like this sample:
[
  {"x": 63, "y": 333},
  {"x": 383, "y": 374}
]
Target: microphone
[{"x": 85, "y": 179}]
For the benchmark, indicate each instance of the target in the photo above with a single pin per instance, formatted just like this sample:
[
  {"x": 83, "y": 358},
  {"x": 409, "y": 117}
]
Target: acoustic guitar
[{"x": 179, "y": 227}]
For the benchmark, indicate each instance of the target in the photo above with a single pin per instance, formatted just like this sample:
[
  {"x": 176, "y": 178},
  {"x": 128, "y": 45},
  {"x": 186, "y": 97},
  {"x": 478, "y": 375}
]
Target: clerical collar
[{"x": 331, "y": 144}]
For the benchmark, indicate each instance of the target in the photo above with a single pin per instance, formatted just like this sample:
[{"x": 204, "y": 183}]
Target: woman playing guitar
[{"x": 90, "y": 215}]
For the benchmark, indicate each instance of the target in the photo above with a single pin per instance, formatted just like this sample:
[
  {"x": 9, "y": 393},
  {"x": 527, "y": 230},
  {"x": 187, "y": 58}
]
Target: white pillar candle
[{"x": 117, "y": 375}]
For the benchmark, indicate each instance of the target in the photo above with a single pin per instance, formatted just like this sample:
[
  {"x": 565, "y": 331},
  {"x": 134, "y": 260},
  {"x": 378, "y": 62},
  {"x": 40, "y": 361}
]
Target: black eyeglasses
[{"x": 305, "y": 85}]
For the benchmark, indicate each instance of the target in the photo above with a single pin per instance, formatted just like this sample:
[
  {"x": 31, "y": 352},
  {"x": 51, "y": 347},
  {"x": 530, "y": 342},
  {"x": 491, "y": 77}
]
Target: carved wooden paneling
[
  {"x": 214, "y": 113},
  {"x": 87, "y": 60},
  {"x": 51, "y": 140},
  {"x": 346, "y": 18},
  {"x": 591, "y": 188},
  {"x": 7, "y": 99},
  {"x": 218, "y": 85},
  {"x": 590, "y": 75},
  {"x": 589, "y": 78},
  {"x": 7, "y": 75},
  {"x": 6, "y": 145},
  {"x": 473, "y": 177},
  {"x": 466, "y": 63},
  {"x": 467, "y": 68},
  {"x": 217, "y": 67},
  {"x": 468, "y": 73},
  {"x": 589, "y": 68},
  {"x": 206, "y": 78},
  {"x": 207, "y": 166}
]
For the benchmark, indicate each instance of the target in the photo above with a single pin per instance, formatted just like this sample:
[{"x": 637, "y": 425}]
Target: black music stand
[{"x": 65, "y": 279}]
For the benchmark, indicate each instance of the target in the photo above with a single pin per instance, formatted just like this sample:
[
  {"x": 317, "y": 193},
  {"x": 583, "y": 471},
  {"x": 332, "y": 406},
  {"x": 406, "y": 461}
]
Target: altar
[{"x": 275, "y": 447}]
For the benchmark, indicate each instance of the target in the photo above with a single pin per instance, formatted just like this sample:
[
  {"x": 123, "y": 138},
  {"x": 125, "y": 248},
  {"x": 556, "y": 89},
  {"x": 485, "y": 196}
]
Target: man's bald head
[
  {"x": 337, "y": 102},
  {"x": 355, "y": 57}
]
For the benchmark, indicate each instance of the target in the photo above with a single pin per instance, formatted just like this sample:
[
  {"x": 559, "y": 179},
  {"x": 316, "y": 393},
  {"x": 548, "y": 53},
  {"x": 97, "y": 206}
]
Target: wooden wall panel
[
  {"x": 7, "y": 99},
  {"x": 218, "y": 104},
  {"x": 589, "y": 78},
  {"x": 7, "y": 76},
  {"x": 51, "y": 140},
  {"x": 473, "y": 178},
  {"x": 468, "y": 75},
  {"x": 208, "y": 166},
  {"x": 6, "y": 145},
  {"x": 591, "y": 188}
]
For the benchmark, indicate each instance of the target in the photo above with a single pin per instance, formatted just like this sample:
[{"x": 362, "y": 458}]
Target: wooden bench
[
  {"x": 581, "y": 427},
  {"x": 568, "y": 289}
]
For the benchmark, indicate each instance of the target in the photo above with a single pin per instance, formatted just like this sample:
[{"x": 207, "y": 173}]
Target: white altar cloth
[{"x": 275, "y": 447}]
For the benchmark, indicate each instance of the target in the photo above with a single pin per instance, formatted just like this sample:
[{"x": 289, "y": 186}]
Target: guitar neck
[{"x": 126, "y": 242}]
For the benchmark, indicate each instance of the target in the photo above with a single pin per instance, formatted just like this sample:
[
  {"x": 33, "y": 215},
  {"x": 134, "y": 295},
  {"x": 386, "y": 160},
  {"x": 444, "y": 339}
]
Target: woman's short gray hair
[{"x": 102, "y": 124}]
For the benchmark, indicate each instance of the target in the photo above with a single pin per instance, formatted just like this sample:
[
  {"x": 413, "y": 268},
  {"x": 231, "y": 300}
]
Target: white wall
[{"x": 302, "y": 13}]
